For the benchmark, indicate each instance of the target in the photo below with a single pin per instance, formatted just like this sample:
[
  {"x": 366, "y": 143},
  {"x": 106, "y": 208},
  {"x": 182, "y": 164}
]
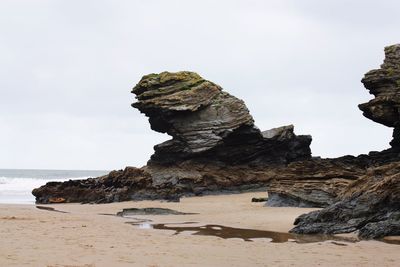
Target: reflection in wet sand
[
  {"x": 248, "y": 234},
  {"x": 245, "y": 234}
]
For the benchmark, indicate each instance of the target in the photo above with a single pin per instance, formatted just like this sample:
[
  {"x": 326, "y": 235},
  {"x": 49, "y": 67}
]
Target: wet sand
[{"x": 84, "y": 236}]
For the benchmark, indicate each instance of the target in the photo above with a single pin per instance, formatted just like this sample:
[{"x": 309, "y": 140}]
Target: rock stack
[
  {"x": 371, "y": 204},
  {"x": 384, "y": 84},
  {"x": 210, "y": 124},
  {"x": 215, "y": 147}
]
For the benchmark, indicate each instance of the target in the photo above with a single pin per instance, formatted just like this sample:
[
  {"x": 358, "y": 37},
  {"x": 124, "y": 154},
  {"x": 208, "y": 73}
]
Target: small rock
[{"x": 259, "y": 199}]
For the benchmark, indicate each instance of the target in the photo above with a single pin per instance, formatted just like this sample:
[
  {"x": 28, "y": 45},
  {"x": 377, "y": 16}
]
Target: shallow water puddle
[
  {"x": 245, "y": 234},
  {"x": 226, "y": 232}
]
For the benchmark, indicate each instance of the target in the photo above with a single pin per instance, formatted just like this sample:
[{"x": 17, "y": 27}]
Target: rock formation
[
  {"x": 323, "y": 181},
  {"x": 215, "y": 147},
  {"x": 319, "y": 182},
  {"x": 371, "y": 204},
  {"x": 208, "y": 123},
  {"x": 384, "y": 84}
]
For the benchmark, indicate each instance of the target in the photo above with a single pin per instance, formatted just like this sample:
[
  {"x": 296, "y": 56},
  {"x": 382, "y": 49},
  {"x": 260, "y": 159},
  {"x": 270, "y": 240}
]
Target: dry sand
[{"x": 82, "y": 237}]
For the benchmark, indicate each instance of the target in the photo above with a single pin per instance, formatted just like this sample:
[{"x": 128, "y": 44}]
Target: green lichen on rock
[
  {"x": 390, "y": 71},
  {"x": 171, "y": 91}
]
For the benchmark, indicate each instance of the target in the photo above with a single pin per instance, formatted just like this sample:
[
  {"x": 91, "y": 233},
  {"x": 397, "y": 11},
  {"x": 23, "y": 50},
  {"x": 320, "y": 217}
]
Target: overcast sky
[{"x": 67, "y": 68}]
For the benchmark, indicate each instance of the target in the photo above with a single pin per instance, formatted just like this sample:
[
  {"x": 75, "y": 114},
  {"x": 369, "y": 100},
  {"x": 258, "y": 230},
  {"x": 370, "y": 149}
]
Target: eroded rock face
[
  {"x": 208, "y": 123},
  {"x": 115, "y": 186},
  {"x": 193, "y": 177},
  {"x": 215, "y": 147},
  {"x": 315, "y": 182},
  {"x": 319, "y": 182},
  {"x": 371, "y": 204},
  {"x": 384, "y": 84},
  {"x": 312, "y": 183}
]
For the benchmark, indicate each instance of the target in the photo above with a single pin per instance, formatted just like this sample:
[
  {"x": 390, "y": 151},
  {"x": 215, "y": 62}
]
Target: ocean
[{"x": 16, "y": 185}]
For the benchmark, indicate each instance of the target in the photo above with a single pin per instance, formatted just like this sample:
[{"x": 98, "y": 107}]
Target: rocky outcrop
[
  {"x": 319, "y": 182},
  {"x": 215, "y": 147},
  {"x": 208, "y": 123},
  {"x": 193, "y": 177},
  {"x": 371, "y": 204},
  {"x": 323, "y": 181},
  {"x": 384, "y": 84},
  {"x": 115, "y": 186},
  {"x": 313, "y": 183}
]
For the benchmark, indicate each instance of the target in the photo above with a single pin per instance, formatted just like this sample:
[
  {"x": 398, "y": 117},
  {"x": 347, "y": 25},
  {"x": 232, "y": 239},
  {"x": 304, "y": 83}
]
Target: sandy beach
[{"x": 83, "y": 236}]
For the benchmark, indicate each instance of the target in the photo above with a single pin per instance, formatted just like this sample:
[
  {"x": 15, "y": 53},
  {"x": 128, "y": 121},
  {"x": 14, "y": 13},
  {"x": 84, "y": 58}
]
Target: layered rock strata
[
  {"x": 192, "y": 177},
  {"x": 208, "y": 123},
  {"x": 371, "y": 204},
  {"x": 319, "y": 182},
  {"x": 384, "y": 84},
  {"x": 215, "y": 147}
]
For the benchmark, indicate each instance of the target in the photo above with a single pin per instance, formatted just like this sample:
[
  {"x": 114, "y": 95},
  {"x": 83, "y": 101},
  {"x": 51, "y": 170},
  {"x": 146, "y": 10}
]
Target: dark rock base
[{"x": 370, "y": 205}]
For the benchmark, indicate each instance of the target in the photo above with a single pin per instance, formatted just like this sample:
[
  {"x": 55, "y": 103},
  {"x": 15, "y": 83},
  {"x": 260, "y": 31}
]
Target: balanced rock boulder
[
  {"x": 207, "y": 123},
  {"x": 215, "y": 147}
]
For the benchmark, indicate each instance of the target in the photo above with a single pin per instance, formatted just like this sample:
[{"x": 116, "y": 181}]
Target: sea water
[{"x": 16, "y": 185}]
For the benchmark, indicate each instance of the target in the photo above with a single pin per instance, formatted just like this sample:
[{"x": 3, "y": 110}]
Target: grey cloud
[{"x": 67, "y": 68}]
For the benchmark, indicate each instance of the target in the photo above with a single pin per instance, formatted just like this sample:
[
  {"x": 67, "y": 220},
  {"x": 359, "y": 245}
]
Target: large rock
[
  {"x": 319, "y": 182},
  {"x": 309, "y": 183},
  {"x": 115, "y": 186},
  {"x": 193, "y": 177},
  {"x": 206, "y": 122},
  {"x": 312, "y": 183},
  {"x": 384, "y": 84},
  {"x": 215, "y": 147},
  {"x": 315, "y": 182},
  {"x": 371, "y": 204}
]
